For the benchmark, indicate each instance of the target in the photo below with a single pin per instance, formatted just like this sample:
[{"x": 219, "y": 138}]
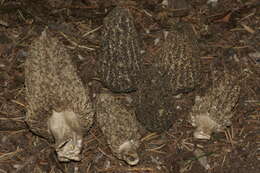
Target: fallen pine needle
[
  {"x": 248, "y": 29},
  {"x": 19, "y": 103},
  {"x": 6, "y": 156},
  {"x": 92, "y": 31},
  {"x": 149, "y": 137}
]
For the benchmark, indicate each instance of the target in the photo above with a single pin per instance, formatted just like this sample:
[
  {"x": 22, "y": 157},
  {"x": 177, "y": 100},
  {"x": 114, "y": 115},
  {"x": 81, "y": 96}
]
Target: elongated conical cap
[
  {"x": 119, "y": 61},
  {"x": 52, "y": 84}
]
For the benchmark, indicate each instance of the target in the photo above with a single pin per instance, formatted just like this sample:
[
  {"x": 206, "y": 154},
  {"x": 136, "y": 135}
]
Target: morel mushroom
[
  {"x": 119, "y": 62},
  {"x": 116, "y": 118},
  {"x": 176, "y": 70},
  {"x": 59, "y": 107},
  {"x": 178, "y": 58},
  {"x": 154, "y": 101},
  {"x": 212, "y": 112}
]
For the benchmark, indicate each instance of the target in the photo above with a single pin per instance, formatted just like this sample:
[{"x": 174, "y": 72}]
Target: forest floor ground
[{"x": 230, "y": 28}]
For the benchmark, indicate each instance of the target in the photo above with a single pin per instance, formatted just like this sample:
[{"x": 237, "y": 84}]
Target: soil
[{"x": 228, "y": 29}]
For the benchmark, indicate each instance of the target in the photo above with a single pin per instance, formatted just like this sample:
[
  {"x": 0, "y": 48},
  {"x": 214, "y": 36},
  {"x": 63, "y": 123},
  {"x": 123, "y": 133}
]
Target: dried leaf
[{"x": 225, "y": 19}]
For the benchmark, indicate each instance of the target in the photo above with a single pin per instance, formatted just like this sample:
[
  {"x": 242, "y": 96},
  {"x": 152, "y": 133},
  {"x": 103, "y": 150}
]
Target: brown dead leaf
[{"x": 224, "y": 19}]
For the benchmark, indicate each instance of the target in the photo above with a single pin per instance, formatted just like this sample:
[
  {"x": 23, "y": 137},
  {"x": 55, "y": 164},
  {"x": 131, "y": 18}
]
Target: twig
[
  {"x": 92, "y": 31},
  {"x": 19, "y": 103},
  {"x": 7, "y": 156},
  {"x": 142, "y": 11},
  {"x": 187, "y": 145},
  {"x": 156, "y": 148},
  {"x": 241, "y": 131},
  {"x": 224, "y": 159},
  {"x": 149, "y": 137},
  {"x": 251, "y": 14},
  {"x": 248, "y": 29},
  {"x": 74, "y": 43},
  {"x": 105, "y": 154},
  {"x": 13, "y": 119}
]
